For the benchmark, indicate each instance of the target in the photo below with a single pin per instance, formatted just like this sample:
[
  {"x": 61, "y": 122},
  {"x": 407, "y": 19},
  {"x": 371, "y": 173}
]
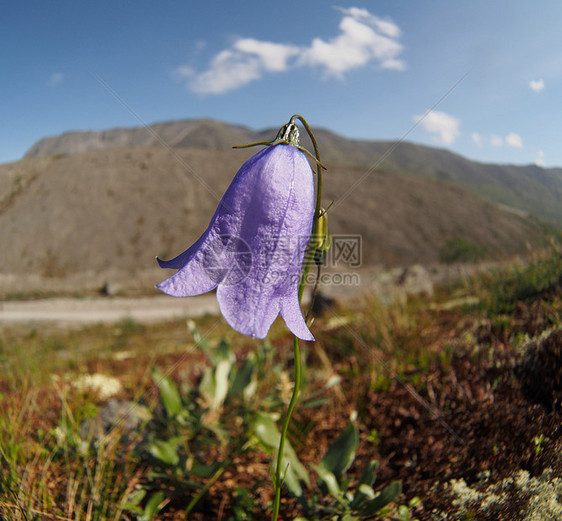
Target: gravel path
[
  {"x": 107, "y": 310},
  {"x": 387, "y": 285}
]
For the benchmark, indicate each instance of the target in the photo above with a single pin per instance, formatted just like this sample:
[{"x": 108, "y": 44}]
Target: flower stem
[
  {"x": 317, "y": 209},
  {"x": 279, "y": 477}
]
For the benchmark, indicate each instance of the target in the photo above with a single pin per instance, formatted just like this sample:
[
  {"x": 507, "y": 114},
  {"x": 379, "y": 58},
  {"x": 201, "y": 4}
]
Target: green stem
[
  {"x": 204, "y": 490},
  {"x": 278, "y": 478},
  {"x": 296, "y": 349},
  {"x": 317, "y": 209}
]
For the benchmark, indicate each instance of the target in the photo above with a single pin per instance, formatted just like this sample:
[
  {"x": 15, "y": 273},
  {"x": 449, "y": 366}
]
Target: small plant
[
  {"x": 525, "y": 283},
  {"x": 538, "y": 442},
  {"x": 461, "y": 250},
  {"x": 192, "y": 437},
  {"x": 196, "y": 433},
  {"x": 341, "y": 497}
]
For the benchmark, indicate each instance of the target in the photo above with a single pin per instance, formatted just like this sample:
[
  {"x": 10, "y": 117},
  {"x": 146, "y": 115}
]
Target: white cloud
[
  {"x": 386, "y": 27},
  {"x": 539, "y": 161},
  {"x": 363, "y": 38},
  {"x": 55, "y": 79},
  {"x": 229, "y": 70},
  {"x": 273, "y": 56},
  {"x": 511, "y": 140},
  {"x": 514, "y": 140},
  {"x": 184, "y": 71},
  {"x": 537, "y": 85},
  {"x": 444, "y": 126},
  {"x": 477, "y": 138}
]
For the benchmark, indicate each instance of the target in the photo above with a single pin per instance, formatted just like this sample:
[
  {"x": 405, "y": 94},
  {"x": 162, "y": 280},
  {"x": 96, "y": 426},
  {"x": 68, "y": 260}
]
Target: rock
[
  {"x": 540, "y": 371},
  {"x": 321, "y": 304},
  {"x": 109, "y": 289},
  {"x": 123, "y": 414},
  {"x": 415, "y": 280}
]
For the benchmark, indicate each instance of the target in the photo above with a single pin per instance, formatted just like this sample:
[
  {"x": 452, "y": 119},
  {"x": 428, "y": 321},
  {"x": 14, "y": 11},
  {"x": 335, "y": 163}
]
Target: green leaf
[
  {"x": 366, "y": 480},
  {"x": 267, "y": 433},
  {"x": 289, "y": 477},
  {"x": 221, "y": 383},
  {"x": 200, "y": 341},
  {"x": 368, "y": 474},
  {"x": 214, "y": 384},
  {"x": 386, "y": 495},
  {"x": 327, "y": 480},
  {"x": 341, "y": 452},
  {"x": 135, "y": 497},
  {"x": 207, "y": 385},
  {"x": 266, "y": 430},
  {"x": 165, "y": 451},
  {"x": 205, "y": 471},
  {"x": 133, "y": 501},
  {"x": 169, "y": 394},
  {"x": 242, "y": 378},
  {"x": 222, "y": 352},
  {"x": 312, "y": 403},
  {"x": 152, "y": 506}
]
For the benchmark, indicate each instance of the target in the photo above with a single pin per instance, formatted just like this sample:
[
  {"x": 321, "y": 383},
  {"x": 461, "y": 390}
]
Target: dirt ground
[
  {"x": 78, "y": 312},
  {"x": 481, "y": 423},
  {"x": 474, "y": 439}
]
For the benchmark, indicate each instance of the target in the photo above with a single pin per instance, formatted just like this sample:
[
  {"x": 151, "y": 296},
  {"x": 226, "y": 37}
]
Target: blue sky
[{"x": 491, "y": 71}]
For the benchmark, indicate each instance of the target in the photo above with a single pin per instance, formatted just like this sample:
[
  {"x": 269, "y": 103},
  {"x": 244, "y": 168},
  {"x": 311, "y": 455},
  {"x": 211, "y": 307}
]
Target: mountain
[
  {"x": 529, "y": 189},
  {"x": 88, "y": 217},
  {"x": 197, "y": 133}
]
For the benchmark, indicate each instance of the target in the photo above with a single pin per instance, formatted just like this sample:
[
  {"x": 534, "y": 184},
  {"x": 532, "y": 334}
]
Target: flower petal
[
  {"x": 248, "y": 312},
  {"x": 292, "y": 315},
  {"x": 183, "y": 258},
  {"x": 192, "y": 279},
  {"x": 254, "y": 246}
]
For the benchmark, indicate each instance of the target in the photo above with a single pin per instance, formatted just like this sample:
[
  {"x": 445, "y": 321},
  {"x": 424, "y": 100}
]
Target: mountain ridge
[
  {"x": 93, "y": 216},
  {"x": 528, "y": 188},
  {"x": 104, "y": 215}
]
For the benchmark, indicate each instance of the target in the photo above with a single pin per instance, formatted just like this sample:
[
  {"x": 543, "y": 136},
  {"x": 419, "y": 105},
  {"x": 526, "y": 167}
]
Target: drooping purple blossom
[{"x": 253, "y": 249}]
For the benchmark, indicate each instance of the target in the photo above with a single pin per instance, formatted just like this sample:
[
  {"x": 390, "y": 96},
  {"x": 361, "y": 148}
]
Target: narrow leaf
[
  {"x": 341, "y": 452},
  {"x": 222, "y": 352},
  {"x": 221, "y": 383},
  {"x": 327, "y": 481},
  {"x": 242, "y": 378},
  {"x": 200, "y": 341},
  {"x": 169, "y": 394},
  {"x": 165, "y": 452},
  {"x": 152, "y": 506},
  {"x": 267, "y": 433},
  {"x": 366, "y": 480},
  {"x": 386, "y": 495},
  {"x": 205, "y": 471}
]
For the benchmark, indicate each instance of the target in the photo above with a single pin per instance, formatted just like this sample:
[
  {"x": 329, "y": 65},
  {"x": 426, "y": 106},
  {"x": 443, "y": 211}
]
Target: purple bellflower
[{"x": 253, "y": 249}]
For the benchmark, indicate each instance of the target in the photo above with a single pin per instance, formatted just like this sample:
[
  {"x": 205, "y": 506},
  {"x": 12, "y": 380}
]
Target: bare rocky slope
[
  {"x": 531, "y": 189},
  {"x": 105, "y": 214}
]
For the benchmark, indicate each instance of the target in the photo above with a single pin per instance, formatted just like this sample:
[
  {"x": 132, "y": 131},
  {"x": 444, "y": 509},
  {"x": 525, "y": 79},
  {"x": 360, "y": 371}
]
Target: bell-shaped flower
[{"x": 253, "y": 248}]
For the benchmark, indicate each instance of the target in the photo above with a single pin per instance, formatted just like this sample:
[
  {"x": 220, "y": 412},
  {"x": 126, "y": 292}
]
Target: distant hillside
[
  {"x": 116, "y": 209},
  {"x": 529, "y": 189},
  {"x": 197, "y": 133}
]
